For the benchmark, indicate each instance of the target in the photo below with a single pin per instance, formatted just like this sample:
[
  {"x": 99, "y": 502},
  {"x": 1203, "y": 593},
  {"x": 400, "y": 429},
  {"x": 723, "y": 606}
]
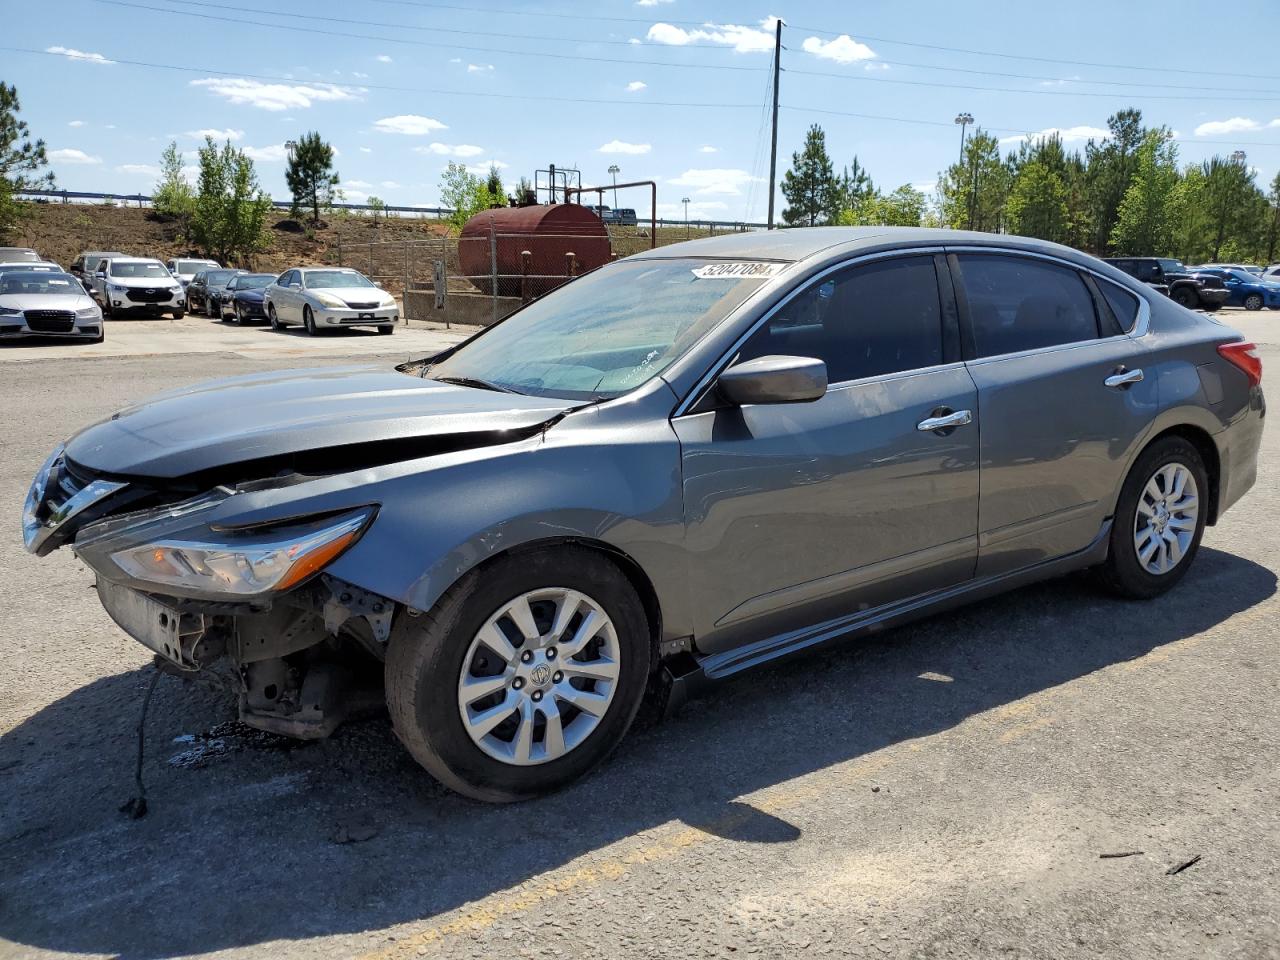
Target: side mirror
[
  {"x": 774, "y": 380},
  {"x": 101, "y": 274}
]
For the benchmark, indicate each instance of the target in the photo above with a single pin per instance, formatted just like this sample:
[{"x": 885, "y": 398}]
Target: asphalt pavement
[{"x": 1020, "y": 778}]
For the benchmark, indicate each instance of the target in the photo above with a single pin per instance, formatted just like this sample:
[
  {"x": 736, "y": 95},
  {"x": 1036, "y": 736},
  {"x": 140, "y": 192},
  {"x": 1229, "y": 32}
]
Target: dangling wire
[{"x": 136, "y": 806}]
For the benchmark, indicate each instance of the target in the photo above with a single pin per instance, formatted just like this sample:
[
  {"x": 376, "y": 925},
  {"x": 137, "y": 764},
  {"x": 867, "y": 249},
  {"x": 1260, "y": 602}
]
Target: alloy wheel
[
  {"x": 1164, "y": 524},
  {"x": 539, "y": 676}
]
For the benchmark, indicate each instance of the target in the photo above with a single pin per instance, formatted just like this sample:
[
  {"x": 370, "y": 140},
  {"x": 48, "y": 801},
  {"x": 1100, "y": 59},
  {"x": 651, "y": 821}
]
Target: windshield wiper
[{"x": 475, "y": 382}]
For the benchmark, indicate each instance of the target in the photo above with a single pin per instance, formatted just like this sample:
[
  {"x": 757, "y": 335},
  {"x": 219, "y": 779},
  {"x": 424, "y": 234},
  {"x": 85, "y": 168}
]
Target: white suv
[
  {"x": 184, "y": 268},
  {"x": 137, "y": 285}
]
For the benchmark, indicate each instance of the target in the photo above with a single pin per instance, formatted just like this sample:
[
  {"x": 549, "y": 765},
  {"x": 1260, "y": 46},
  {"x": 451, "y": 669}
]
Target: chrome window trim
[
  {"x": 699, "y": 388},
  {"x": 1140, "y": 326}
]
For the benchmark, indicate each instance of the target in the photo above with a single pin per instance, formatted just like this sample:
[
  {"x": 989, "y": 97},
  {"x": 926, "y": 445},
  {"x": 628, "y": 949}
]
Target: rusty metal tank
[{"x": 548, "y": 233}]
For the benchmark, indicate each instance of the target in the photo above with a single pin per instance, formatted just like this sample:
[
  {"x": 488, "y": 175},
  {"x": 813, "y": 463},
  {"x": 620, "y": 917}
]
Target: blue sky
[{"x": 401, "y": 87}]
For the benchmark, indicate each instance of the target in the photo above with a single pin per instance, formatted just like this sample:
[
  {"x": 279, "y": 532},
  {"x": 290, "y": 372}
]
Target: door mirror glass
[{"x": 774, "y": 379}]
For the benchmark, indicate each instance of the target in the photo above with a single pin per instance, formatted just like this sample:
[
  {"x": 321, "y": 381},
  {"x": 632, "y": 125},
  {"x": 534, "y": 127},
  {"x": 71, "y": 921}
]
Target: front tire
[
  {"x": 179, "y": 314},
  {"x": 523, "y": 677},
  {"x": 272, "y": 318},
  {"x": 1159, "y": 521},
  {"x": 309, "y": 321},
  {"x": 1186, "y": 297},
  {"x": 387, "y": 329},
  {"x": 1253, "y": 301}
]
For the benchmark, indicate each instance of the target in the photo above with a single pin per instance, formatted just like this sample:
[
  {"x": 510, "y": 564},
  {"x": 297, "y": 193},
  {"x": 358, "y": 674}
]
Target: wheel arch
[{"x": 1202, "y": 440}]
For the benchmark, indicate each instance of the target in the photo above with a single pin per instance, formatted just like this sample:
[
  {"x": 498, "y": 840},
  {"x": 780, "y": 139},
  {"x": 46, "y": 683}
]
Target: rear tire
[
  {"x": 1253, "y": 301},
  {"x": 1126, "y": 572},
  {"x": 430, "y": 657}
]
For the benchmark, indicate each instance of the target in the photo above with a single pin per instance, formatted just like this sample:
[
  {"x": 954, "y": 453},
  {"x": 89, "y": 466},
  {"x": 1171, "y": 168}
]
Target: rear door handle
[
  {"x": 945, "y": 421},
  {"x": 1123, "y": 378}
]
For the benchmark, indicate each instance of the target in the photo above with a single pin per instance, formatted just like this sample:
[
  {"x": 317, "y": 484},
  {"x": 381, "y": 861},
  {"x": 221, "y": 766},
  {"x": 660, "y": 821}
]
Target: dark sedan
[
  {"x": 242, "y": 301},
  {"x": 685, "y": 464},
  {"x": 202, "y": 288}
]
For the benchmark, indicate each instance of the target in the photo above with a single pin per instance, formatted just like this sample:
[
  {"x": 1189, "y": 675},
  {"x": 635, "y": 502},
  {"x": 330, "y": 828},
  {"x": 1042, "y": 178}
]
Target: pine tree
[
  {"x": 1144, "y": 226},
  {"x": 21, "y": 159},
  {"x": 310, "y": 174},
  {"x": 809, "y": 185},
  {"x": 173, "y": 196}
]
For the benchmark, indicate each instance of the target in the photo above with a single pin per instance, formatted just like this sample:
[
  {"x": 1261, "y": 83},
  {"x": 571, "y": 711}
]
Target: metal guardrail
[{"x": 140, "y": 199}]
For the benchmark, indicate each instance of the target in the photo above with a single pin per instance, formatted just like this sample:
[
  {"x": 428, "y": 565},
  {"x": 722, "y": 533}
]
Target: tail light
[{"x": 1245, "y": 357}]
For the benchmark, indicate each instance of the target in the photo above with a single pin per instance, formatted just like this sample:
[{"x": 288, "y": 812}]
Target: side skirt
[{"x": 688, "y": 677}]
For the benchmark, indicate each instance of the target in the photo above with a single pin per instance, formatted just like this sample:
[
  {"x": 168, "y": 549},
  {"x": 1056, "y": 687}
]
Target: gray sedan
[
  {"x": 43, "y": 302},
  {"x": 685, "y": 464}
]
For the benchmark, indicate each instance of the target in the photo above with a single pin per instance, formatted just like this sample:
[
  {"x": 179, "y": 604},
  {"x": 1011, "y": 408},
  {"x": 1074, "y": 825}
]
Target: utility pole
[
  {"x": 773, "y": 149},
  {"x": 685, "y": 201},
  {"x": 964, "y": 119},
  {"x": 614, "y": 169}
]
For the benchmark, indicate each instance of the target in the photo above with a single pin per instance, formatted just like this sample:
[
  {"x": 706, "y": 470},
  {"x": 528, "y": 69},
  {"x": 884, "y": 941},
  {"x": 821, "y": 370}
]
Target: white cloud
[
  {"x": 873, "y": 66},
  {"x": 698, "y": 210},
  {"x": 482, "y": 169},
  {"x": 354, "y": 196},
  {"x": 366, "y": 149},
  {"x": 706, "y": 181},
  {"x": 621, "y": 146},
  {"x": 71, "y": 155},
  {"x": 139, "y": 169},
  {"x": 390, "y": 185},
  {"x": 275, "y": 153},
  {"x": 460, "y": 150},
  {"x": 1058, "y": 82},
  {"x": 843, "y": 49},
  {"x": 707, "y": 148},
  {"x": 274, "y": 96},
  {"x": 635, "y": 86},
  {"x": 1235, "y": 125},
  {"x": 76, "y": 123},
  {"x": 359, "y": 76},
  {"x": 1067, "y": 135},
  {"x": 356, "y": 185},
  {"x": 479, "y": 67},
  {"x": 742, "y": 38},
  {"x": 455, "y": 59},
  {"x": 926, "y": 186},
  {"x": 217, "y": 134},
  {"x": 651, "y": 3},
  {"x": 73, "y": 54},
  {"x": 382, "y": 58},
  {"x": 409, "y": 124}
]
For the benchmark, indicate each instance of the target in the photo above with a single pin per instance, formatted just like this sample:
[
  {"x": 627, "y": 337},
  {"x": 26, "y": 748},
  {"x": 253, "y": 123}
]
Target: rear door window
[
  {"x": 865, "y": 321},
  {"x": 1018, "y": 304}
]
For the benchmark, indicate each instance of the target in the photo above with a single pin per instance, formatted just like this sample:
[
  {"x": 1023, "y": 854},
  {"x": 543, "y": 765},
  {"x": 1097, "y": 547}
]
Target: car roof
[
  {"x": 799, "y": 243},
  {"x": 136, "y": 260}
]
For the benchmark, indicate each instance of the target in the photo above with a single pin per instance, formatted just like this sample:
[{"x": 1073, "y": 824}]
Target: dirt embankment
[{"x": 62, "y": 231}]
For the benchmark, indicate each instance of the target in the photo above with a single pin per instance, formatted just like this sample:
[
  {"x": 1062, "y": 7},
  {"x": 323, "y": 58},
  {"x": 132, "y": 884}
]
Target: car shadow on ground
[{"x": 244, "y": 845}]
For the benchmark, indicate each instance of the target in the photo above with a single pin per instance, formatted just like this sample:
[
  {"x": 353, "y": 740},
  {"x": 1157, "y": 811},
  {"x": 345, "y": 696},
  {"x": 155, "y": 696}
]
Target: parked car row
[
  {"x": 39, "y": 299},
  {"x": 1207, "y": 286}
]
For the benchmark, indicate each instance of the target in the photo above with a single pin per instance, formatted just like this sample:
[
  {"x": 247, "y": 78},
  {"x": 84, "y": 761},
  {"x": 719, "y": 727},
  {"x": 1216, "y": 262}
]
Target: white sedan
[
  {"x": 321, "y": 298},
  {"x": 36, "y": 303}
]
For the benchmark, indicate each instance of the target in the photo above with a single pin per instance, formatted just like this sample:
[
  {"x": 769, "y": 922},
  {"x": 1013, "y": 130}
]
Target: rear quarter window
[{"x": 1122, "y": 303}]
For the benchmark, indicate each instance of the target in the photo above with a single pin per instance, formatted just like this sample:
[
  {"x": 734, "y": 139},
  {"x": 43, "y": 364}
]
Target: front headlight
[
  {"x": 243, "y": 563},
  {"x": 88, "y": 313},
  {"x": 9, "y": 311},
  {"x": 35, "y": 496},
  {"x": 387, "y": 300},
  {"x": 329, "y": 300},
  {"x": 116, "y": 288}
]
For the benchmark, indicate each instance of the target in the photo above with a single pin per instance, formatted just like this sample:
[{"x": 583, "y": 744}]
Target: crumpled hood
[{"x": 276, "y": 414}]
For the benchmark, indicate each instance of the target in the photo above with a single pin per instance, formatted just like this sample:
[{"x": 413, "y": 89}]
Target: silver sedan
[
  {"x": 41, "y": 303},
  {"x": 321, "y": 298}
]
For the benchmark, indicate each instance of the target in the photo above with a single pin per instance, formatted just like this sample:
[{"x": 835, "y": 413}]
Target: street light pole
[
  {"x": 685, "y": 201},
  {"x": 964, "y": 120},
  {"x": 614, "y": 170}
]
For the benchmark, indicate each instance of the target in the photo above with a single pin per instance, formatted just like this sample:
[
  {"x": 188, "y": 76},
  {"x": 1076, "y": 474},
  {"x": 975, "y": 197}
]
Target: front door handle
[
  {"x": 945, "y": 421},
  {"x": 1123, "y": 378}
]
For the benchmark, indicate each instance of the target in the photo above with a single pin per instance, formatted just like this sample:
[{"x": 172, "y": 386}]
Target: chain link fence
[{"x": 479, "y": 280}]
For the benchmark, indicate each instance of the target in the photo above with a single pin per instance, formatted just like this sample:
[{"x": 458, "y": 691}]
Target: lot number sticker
[{"x": 738, "y": 271}]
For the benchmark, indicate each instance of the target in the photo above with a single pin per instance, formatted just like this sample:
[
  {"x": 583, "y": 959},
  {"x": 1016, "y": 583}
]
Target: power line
[
  {"x": 278, "y": 78},
  {"x": 433, "y": 29},
  {"x": 1047, "y": 93},
  {"x": 347, "y": 35},
  {"x": 1029, "y": 57},
  {"x": 712, "y": 46}
]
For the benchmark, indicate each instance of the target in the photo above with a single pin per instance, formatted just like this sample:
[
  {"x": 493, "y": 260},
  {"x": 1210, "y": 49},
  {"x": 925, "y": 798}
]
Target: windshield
[
  {"x": 32, "y": 282},
  {"x": 256, "y": 281},
  {"x": 38, "y": 267},
  {"x": 18, "y": 254},
  {"x": 609, "y": 331},
  {"x": 328, "y": 279},
  {"x": 194, "y": 266},
  {"x": 155, "y": 271},
  {"x": 1243, "y": 275},
  {"x": 1171, "y": 266},
  {"x": 218, "y": 276}
]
